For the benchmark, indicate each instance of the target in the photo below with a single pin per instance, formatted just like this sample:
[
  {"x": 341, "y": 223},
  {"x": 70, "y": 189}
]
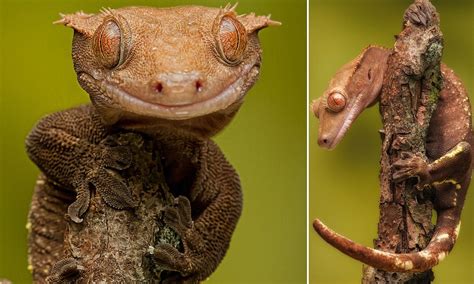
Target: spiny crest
[
  {"x": 250, "y": 21},
  {"x": 77, "y": 21},
  {"x": 255, "y": 23},
  {"x": 229, "y": 7},
  {"x": 107, "y": 11},
  {"x": 228, "y": 10},
  {"x": 69, "y": 19}
]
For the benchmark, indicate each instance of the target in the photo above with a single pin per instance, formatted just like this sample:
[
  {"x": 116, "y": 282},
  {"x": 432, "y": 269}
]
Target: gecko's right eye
[
  {"x": 110, "y": 44},
  {"x": 231, "y": 40},
  {"x": 336, "y": 102}
]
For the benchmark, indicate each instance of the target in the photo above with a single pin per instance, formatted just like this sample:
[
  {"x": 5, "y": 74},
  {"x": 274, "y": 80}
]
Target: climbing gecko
[{"x": 447, "y": 166}]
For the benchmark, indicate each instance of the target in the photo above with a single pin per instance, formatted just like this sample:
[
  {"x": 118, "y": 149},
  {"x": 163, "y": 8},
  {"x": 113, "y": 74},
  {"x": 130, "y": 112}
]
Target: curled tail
[{"x": 443, "y": 240}]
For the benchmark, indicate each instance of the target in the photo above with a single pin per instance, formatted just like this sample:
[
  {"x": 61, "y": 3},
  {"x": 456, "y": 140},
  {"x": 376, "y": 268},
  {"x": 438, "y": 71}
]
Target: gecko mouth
[{"x": 235, "y": 91}]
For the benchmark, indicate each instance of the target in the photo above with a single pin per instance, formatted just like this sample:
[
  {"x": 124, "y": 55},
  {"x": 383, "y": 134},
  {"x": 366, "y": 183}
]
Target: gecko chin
[{"x": 184, "y": 110}]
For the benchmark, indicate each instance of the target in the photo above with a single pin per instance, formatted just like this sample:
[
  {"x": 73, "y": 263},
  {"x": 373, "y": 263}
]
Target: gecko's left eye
[
  {"x": 231, "y": 40},
  {"x": 336, "y": 101}
]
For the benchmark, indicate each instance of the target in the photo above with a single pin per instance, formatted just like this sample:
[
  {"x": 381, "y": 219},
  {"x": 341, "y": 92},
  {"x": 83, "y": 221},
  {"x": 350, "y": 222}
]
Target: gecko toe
[
  {"x": 178, "y": 216},
  {"x": 113, "y": 190},
  {"x": 81, "y": 204},
  {"x": 167, "y": 257},
  {"x": 401, "y": 175},
  {"x": 64, "y": 271}
]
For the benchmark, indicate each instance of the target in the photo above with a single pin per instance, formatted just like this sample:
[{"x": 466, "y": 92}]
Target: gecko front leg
[
  {"x": 216, "y": 202},
  {"x": 69, "y": 148}
]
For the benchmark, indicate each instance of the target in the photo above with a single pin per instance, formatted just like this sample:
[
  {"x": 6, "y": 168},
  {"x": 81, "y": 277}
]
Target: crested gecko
[
  {"x": 178, "y": 75},
  {"x": 447, "y": 166}
]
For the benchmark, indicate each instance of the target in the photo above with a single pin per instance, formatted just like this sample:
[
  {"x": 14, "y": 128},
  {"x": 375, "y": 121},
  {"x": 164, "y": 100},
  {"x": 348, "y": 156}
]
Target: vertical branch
[{"x": 409, "y": 96}]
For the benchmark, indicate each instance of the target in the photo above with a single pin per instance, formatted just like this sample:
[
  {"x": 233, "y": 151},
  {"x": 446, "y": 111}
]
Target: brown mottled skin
[
  {"x": 176, "y": 74},
  {"x": 447, "y": 166}
]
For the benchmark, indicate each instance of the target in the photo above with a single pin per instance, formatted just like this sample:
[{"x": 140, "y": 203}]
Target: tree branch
[{"x": 409, "y": 96}]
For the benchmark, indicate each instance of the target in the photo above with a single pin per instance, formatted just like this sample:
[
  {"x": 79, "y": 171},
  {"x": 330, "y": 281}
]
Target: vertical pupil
[
  {"x": 110, "y": 44},
  {"x": 229, "y": 38}
]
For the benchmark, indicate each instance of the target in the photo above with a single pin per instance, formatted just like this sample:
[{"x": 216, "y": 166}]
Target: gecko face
[
  {"x": 333, "y": 109},
  {"x": 167, "y": 64},
  {"x": 353, "y": 88}
]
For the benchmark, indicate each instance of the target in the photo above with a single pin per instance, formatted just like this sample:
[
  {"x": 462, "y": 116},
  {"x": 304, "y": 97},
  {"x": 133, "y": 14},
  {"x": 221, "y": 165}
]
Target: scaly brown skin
[
  {"x": 176, "y": 74},
  {"x": 447, "y": 166}
]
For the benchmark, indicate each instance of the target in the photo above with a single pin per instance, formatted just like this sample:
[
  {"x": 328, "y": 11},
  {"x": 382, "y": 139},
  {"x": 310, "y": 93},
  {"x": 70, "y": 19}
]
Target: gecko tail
[{"x": 441, "y": 243}]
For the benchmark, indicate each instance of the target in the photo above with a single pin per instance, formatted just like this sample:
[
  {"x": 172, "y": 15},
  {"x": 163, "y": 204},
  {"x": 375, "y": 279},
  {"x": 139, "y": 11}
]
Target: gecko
[
  {"x": 178, "y": 75},
  {"x": 447, "y": 167}
]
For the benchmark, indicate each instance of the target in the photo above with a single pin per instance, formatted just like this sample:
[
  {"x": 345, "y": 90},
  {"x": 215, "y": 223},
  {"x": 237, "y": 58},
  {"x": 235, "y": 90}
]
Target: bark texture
[
  {"x": 409, "y": 96},
  {"x": 109, "y": 245}
]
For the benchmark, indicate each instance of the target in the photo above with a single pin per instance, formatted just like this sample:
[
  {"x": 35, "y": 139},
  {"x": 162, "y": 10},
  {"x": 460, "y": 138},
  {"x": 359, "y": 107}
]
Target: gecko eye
[
  {"x": 231, "y": 40},
  {"x": 110, "y": 45},
  {"x": 336, "y": 101}
]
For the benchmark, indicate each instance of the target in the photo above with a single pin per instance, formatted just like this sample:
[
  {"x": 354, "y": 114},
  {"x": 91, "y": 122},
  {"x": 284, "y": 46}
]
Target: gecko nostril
[
  {"x": 323, "y": 141},
  {"x": 159, "y": 87},
  {"x": 198, "y": 86}
]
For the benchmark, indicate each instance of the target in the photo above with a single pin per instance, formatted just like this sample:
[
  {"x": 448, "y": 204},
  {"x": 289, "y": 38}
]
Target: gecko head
[
  {"x": 187, "y": 67},
  {"x": 354, "y": 87}
]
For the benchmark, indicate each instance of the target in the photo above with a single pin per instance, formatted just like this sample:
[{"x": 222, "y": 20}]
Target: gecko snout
[
  {"x": 177, "y": 84},
  {"x": 324, "y": 141}
]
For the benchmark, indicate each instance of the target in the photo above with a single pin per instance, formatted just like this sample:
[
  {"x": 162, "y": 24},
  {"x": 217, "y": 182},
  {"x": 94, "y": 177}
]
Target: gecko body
[
  {"x": 447, "y": 167},
  {"x": 178, "y": 75}
]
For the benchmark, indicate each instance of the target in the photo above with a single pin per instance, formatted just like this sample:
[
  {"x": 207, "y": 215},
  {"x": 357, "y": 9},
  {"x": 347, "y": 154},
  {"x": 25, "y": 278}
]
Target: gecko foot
[
  {"x": 112, "y": 189},
  {"x": 106, "y": 181},
  {"x": 178, "y": 217},
  {"x": 411, "y": 165},
  {"x": 167, "y": 257},
  {"x": 64, "y": 271}
]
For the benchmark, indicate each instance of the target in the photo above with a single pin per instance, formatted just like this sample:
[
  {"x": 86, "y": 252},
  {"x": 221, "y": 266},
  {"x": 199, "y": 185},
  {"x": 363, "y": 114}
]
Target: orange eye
[
  {"x": 336, "y": 101},
  {"x": 107, "y": 43},
  {"x": 231, "y": 40}
]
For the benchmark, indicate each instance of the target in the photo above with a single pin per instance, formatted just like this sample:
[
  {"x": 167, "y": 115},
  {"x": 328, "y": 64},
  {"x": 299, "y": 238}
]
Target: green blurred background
[
  {"x": 344, "y": 186},
  {"x": 265, "y": 143}
]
